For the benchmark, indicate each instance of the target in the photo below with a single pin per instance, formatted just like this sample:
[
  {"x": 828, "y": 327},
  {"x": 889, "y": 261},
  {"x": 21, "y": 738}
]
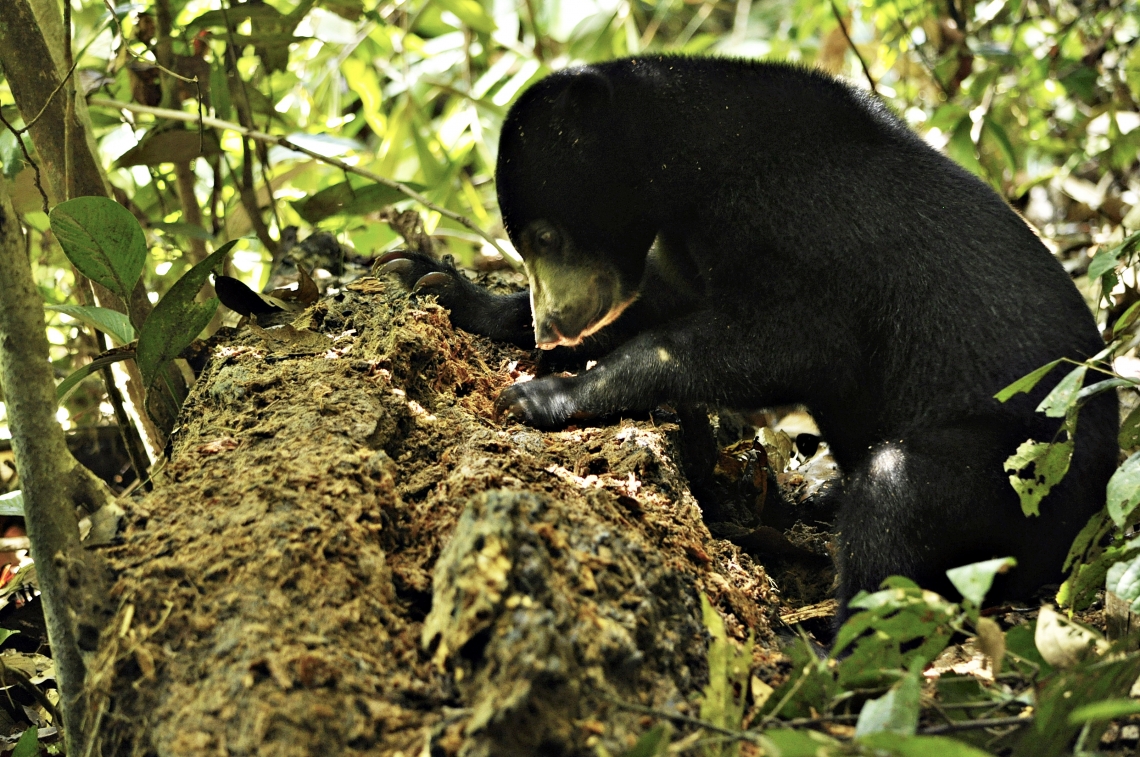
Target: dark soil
[{"x": 347, "y": 554}]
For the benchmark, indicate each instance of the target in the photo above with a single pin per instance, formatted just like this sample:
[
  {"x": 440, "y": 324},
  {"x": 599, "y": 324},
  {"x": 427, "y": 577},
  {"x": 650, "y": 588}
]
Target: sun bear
[{"x": 742, "y": 234}]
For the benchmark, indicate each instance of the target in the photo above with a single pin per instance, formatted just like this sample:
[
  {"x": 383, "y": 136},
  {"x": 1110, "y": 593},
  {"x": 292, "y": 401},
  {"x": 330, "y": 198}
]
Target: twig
[
  {"x": 787, "y": 698},
  {"x": 50, "y": 97},
  {"x": 688, "y": 719},
  {"x": 159, "y": 66},
  {"x": 851, "y": 44},
  {"x": 404, "y": 189},
  {"x": 925, "y": 61},
  {"x": 19, "y": 133},
  {"x": 26, "y": 684},
  {"x": 974, "y": 725}
]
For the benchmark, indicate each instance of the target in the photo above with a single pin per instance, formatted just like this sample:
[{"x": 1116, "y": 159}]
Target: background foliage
[{"x": 1037, "y": 97}]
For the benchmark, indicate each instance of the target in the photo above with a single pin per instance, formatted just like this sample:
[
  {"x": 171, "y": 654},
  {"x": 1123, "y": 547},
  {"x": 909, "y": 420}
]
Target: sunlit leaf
[
  {"x": 12, "y": 504},
  {"x": 103, "y": 240},
  {"x": 111, "y": 322},
  {"x": 470, "y": 13},
  {"x": 1109, "y": 709},
  {"x": 1037, "y": 467}
]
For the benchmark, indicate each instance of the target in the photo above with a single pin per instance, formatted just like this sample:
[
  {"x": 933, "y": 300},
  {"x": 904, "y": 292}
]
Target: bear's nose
[{"x": 548, "y": 332}]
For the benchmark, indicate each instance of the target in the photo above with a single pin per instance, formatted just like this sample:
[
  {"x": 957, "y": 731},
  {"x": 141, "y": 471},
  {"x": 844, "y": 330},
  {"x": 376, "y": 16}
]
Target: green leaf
[
  {"x": 64, "y": 388},
  {"x": 12, "y": 504},
  {"x": 1050, "y": 463},
  {"x": 729, "y": 667},
  {"x": 894, "y": 712},
  {"x": 974, "y": 580},
  {"x": 1105, "y": 260},
  {"x": 1123, "y": 580},
  {"x": 961, "y": 148},
  {"x": 345, "y": 199},
  {"x": 220, "y": 92},
  {"x": 470, "y": 13},
  {"x": 1126, "y": 320},
  {"x": 1025, "y": 383},
  {"x": 190, "y": 230},
  {"x": 1124, "y": 490},
  {"x": 812, "y": 680},
  {"x": 1109, "y": 709},
  {"x": 28, "y": 745},
  {"x": 1096, "y": 679},
  {"x": 1130, "y": 429},
  {"x": 5, "y": 633},
  {"x": 1103, "y": 386},
  {"x": 111, "y": 322},
  {"x": 177, "y": 319},
  {"x": 994, "y": 130},
  {"x": 1057, "y": 403},
  {"x": 103, "y": 240},
  {"x": 11, "y": 156},
  {"x": 787, "y": 742},
  {"x": 919, "y": 746},
  {"x": 653, "y": 743}
]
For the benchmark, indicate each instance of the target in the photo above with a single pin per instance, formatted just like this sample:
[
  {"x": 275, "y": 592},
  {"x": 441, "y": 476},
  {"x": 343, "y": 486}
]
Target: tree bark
[
  {"x": 52, "y": 481},
  {"x": 347, "y": 554}
]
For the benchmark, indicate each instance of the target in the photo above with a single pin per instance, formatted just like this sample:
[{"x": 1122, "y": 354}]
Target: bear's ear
[{"x": 588, "y": 92}]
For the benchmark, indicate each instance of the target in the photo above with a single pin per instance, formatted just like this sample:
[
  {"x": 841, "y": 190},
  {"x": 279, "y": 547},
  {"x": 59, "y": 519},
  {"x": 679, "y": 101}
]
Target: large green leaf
[
  {"x": 1124, "y": 490},
  {"x": 111, "y": 322},
  {"x": 103, "y": 240},
  {"x": 177, "y": 319}
]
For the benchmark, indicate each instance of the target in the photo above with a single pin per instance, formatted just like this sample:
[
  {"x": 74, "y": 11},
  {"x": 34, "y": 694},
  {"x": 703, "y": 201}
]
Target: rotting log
[{"x": 347, "y": 554}]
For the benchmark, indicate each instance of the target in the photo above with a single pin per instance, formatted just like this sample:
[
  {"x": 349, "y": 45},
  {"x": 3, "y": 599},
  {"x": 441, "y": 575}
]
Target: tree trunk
[
  {"x": 347, "y": 554},
  {"x": 52, "y": 481}
]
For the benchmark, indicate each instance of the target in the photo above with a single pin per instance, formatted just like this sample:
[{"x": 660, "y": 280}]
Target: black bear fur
[{"x": 779, "y": 237}]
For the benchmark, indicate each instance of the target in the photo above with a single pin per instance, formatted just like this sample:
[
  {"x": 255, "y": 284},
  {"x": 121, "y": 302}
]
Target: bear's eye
[{"x": 547, "y": 239}]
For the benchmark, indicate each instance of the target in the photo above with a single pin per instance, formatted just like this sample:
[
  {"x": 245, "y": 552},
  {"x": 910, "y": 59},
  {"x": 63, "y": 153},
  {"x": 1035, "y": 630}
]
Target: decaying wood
[{"x": 347, "y": 554}]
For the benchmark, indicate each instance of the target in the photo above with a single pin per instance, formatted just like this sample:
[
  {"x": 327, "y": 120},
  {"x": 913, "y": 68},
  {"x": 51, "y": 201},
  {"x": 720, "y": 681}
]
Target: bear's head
[{"x": 566, "y": 184}]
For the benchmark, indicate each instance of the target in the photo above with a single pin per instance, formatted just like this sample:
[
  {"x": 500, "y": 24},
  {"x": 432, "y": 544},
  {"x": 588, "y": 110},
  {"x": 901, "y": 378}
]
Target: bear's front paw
[
  {"x": 544, "y": 403},
  {"x": 421, "y": 274}
]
